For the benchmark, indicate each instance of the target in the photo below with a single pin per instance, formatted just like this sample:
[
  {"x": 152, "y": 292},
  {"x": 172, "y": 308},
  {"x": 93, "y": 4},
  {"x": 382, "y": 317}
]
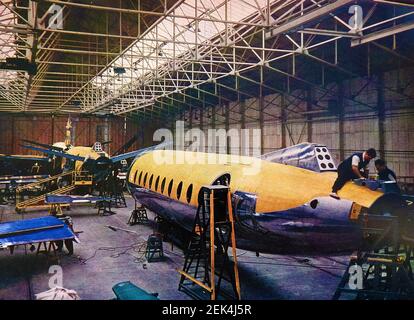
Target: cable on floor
[{"x": 137, "y": 247}]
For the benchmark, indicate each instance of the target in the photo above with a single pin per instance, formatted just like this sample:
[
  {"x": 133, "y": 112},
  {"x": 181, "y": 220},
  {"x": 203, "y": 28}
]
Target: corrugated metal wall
[
  {"x": 360, "y": 125},
  {"x": 51, "y": 129}
]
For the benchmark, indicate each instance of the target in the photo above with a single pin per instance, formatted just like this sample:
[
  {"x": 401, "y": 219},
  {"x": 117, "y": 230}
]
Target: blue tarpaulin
[
  {"x": 64, "y": 198},
  {"x": 129, "y": 291},
  {"x": 310, "y": 156},
  {"x": 36, "y": 230},
  {"x": 384, "y": 186}
]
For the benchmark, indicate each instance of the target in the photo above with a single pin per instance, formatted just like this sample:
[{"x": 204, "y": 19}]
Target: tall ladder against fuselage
[{"x": 207, "y": 267}]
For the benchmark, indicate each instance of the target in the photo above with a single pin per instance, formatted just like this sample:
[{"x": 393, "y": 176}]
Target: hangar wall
[
  {"x": 49, "y": 129},
  {"x": 368, "y": 112}
]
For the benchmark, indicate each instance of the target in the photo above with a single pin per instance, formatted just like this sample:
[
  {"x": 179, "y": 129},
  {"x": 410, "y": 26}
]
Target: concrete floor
[{"x": 105, "y": 257}]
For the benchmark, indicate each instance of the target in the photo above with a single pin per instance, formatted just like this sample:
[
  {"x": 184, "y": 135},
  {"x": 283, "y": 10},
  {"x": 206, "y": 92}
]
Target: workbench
[
  {"x": 56, "y": 201},
  {"x": 44, "y": 231}
]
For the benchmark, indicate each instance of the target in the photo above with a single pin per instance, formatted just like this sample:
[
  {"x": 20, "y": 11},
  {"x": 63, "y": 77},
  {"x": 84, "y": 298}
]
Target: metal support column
[
  {"x": 381, "y": 115},
  {"x": 283, "y": 120},
  {"x": 341, "y": 121},
  {"x": 309, "y": 114}
]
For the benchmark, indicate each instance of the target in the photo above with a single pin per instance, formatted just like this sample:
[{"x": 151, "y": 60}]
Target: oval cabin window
[
  {"x": 156, "y": 183},
  {"x": 150, "y": 181},
  {"x": 162, "y": 185},
  {"x": 145, "y": 180},
  {"x": 189, "y": 192},
  {"x": 139, "y": 178},
  {"x": 179, "y": 189},
  {"x": 170, "y": 186}
]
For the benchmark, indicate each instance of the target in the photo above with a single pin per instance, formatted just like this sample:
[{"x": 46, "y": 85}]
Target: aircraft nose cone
[
  {"x": 320, "y": 226},
  {"x": 389, "y": 204}
]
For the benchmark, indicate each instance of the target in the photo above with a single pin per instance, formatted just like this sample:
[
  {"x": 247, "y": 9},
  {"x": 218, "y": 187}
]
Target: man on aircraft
[
  {"x": 354, "y": 167},
  {"x": 386, "y": 177},
  {"x": 384, "y": 173}
]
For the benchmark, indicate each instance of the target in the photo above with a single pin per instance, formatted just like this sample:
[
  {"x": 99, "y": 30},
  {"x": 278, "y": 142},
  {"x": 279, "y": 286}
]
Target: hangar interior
[{"x": 332, "y": 73}]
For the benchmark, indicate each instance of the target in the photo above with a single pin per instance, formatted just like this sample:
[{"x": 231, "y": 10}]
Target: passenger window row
[{"x": 142, "y": 181}]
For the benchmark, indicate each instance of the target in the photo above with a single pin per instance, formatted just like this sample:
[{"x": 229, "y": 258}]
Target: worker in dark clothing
[
  {"x": 354, "y": 167},
  {"x": 384, "y": 173},
  {"x": 386, "y": 177}
]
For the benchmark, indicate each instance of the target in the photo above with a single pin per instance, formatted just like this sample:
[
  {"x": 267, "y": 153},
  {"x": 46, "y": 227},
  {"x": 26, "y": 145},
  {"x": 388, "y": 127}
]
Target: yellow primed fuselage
[
  {"x": 85, "y": 152},
  {"x": 278, "y": 187}
]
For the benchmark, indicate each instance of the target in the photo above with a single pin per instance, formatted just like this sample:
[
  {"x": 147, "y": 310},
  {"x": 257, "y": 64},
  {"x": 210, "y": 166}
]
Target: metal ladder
[
  {"x": 43, "y": 181},
  {"x": 207, "y": 263},
  {"x": 38, "y": 201}
]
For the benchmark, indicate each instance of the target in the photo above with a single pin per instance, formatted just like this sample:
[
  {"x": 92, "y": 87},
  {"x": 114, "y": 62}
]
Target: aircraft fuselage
[{"x": 284, "y": 217}]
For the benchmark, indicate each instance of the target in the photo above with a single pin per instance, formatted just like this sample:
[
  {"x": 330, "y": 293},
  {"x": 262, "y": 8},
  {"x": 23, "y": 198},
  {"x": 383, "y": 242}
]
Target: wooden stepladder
[{"x": 209, "y": 272}]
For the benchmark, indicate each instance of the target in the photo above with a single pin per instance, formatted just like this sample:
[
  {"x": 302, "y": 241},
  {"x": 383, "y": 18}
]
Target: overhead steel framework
[{"x": 190, "y": 53}]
